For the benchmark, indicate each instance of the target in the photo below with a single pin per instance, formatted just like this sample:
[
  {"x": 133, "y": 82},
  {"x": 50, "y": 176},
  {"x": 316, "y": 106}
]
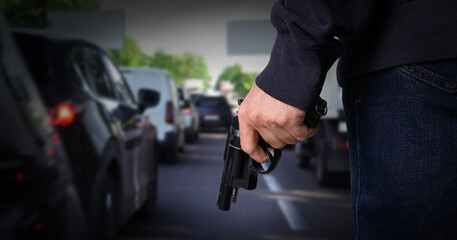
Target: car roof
[
  {"x": 147, "y": 78},
  {"x": 48, "y": 36},
  {"x": 143, "y": 70}
]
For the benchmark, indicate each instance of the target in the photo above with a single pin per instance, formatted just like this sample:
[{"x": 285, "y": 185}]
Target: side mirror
[
  {"x": 147, "y": 98},
  {"x": 185, "y": 104}
]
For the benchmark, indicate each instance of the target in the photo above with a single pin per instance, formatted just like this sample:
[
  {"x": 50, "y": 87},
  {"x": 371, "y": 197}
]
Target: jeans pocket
[{"x": 440, "y": 74}]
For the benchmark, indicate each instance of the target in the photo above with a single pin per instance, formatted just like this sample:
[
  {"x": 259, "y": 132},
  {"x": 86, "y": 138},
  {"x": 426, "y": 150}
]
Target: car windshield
[{"x": 212, "y": 102}]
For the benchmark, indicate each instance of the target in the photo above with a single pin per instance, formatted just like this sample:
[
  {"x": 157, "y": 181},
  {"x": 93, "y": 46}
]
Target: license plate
[
  {"x": 211, "y": 117},
  {"x": 342, "y": 127}
]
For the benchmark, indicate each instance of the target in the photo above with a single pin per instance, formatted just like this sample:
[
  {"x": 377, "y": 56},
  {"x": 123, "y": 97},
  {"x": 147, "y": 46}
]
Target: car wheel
[
  {"x": 181, "y": 149},
  {"x": 149, "y": 207},
  {"x": 196, "y": 135},
  {"x": 107, "y": 209},
  {"x": 324, "y": 177},
  {"x": 304, "y": 162},
  {"x": 170, "y": 154},
  {"x": 190, "y": 136}
]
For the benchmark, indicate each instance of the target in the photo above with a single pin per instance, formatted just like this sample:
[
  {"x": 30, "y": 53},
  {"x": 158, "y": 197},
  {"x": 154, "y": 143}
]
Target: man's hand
[{"x": 278, "y": 123}]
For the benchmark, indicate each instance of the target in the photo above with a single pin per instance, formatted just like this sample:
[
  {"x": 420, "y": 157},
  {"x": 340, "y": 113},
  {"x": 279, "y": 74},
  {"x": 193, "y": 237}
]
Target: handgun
[{"x": 240, "y": 171}]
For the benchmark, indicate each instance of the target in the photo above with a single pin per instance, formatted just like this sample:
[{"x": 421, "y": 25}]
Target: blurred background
[{"x": 115, "y": 117}]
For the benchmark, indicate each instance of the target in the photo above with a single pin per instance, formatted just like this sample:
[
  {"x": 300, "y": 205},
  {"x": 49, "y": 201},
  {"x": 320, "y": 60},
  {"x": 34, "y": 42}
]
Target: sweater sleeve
[{"x": 306, "y": 46}]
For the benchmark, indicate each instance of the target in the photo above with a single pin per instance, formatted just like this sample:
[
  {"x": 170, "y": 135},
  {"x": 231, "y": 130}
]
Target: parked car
[
  {"x": 190, "y": 113},
  {"x": 38, "y": 199},
  {"x": 329, "y": 149},
  {"x": 214, "y": 111},
  {"x": 166, "y": 114},
  {"x": 110, "y": 142}
]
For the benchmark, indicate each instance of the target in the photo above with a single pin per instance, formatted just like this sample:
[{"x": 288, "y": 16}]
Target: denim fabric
[{"x": 402, "y": 129}]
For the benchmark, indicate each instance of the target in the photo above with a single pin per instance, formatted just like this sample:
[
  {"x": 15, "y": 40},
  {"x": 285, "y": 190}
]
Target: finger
[
  {"x": 273, "y": 130},
  {"x": 299, "y": 132},
  {"x": 249, "y": 139},
  {"x": 272, "y": 138}
]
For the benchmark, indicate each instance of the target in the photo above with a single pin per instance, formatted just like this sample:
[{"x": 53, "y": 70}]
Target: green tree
[
  {"x": 169, "y": 62},
  {"x": 240, "y": 80},
  {"x": 194, "y": 67},
  {"x": 131, "y": 55},
  {"x": 181, "y": 67},
  {"x": 33, "y": 13}
]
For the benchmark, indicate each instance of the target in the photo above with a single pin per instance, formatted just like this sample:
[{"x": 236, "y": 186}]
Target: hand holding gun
[{"x": 241, "y": 171}]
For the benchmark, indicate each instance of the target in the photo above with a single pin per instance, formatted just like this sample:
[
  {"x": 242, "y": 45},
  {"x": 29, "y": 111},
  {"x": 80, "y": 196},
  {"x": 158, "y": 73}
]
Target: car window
[
  {"x": 78, "y": 62},
  {"x": 98, "y": 76},
  {"x": 120, "y": 87},
  {"x": 212, "y": 102}
]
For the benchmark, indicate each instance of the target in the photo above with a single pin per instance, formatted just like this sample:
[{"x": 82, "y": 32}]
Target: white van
[{"x": 166, "y": 114}]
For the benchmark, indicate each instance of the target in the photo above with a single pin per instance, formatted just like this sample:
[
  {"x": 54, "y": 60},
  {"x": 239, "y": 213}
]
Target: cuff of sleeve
[{"x": 295, "y": 75}]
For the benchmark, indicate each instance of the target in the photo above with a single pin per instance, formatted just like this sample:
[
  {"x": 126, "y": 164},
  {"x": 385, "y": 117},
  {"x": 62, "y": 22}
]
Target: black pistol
[{"x": 240, "y": 171}]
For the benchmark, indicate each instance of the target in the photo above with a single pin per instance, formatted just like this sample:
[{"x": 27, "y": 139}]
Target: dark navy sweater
[{"x": 367, "y": 35}]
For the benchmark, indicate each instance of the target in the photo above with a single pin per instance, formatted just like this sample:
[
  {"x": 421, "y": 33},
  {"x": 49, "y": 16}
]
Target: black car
[
  {"x": 214, "y": 111},
  {"x": 38, "y": 199},
  {"x": 110, "y": 142}
]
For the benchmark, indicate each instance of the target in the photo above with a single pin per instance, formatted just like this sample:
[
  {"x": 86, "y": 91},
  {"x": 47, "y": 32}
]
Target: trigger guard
[{"x": 272, "y": 159}]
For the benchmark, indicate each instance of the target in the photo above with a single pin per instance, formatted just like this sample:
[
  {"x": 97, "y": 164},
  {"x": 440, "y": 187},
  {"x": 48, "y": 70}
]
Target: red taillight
[
  {"x": 186, "y": 111},
  {"x": 169, "y": 118},
  {"x": 38, "y": 226},
  {"x": 20, "y": 176},
  {"x": 64, "y": 115},
  {"x": 340, "y": 144}
]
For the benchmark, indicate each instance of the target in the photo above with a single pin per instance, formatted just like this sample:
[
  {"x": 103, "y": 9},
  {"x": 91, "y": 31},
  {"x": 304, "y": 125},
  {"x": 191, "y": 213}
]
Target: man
[{"x": 398, "y": 70}]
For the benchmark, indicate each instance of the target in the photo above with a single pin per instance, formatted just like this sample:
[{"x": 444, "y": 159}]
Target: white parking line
[{"x": 293, "y": 217}]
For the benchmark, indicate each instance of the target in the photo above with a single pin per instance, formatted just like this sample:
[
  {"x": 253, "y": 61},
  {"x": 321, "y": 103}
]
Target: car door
[{"x": 135, "y": 129}]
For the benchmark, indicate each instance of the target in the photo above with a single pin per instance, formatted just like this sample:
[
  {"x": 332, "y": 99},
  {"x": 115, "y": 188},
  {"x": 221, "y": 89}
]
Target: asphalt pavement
[{"x": 287, "y": 204}]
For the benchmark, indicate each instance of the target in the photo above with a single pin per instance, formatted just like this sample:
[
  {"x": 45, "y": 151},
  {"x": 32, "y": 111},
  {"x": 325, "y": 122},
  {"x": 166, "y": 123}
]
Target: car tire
[
  {"x": 190, "y": 136},
  {"x": 148, "y": 209},
  {"x": 197, "y": 135},
  {"x": 170, "y": 154},
  {"x": 181, "y": 149},
  {"x": 304, "y": 162},
  {"x": 324, "y": 177},
  {"x": 106, "y": 219}
]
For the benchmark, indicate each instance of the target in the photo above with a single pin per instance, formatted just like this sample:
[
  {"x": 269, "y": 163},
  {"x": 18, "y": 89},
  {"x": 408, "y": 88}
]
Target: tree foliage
[
  {"x": 131, "y": 55},
  {"x": 241, "y": 81},
  {"x": 33, "y": 13},
  {"x": 181, "y": 67}
]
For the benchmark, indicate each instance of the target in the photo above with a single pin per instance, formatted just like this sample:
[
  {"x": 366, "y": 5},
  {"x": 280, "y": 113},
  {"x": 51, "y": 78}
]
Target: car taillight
[
  {"x": 186, "y": 111},
  {"x": 62, "y": 115},
  {"x": 340, "y": 144},
  {"x": 19, "y": 176},
  {"x": 169, "y": 117}
]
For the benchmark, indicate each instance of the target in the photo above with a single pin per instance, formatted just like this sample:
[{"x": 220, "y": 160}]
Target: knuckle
[
  {"x": 270, "y": 122},
  {"x": 248, "y": 149},
  {"x": 303, "y": 135},
  {"x": 282, "y": 120},
  {"x": 241, "y": 113},
  {"x": 291, "y": 141},
  {"x": 278, "y": 145}
]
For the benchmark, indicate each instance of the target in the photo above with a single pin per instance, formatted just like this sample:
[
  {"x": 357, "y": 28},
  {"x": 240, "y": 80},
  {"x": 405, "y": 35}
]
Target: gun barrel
[{"x": 225, "y": 197}]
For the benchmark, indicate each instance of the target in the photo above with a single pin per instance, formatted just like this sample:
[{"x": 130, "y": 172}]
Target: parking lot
[{"x": 287, "y": 204}]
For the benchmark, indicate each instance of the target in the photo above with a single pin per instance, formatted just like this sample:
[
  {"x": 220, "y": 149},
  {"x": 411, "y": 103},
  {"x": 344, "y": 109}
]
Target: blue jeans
[{"x": 402, "y": 129}]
